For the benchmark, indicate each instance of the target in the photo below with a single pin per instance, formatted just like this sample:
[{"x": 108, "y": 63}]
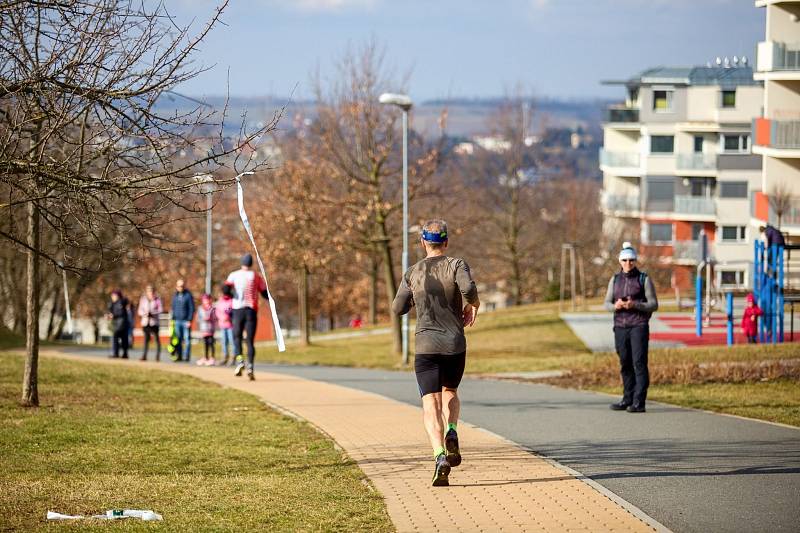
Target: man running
[
  {"x": 437, "y": 286},
  {"x": 247, "y": 285}
]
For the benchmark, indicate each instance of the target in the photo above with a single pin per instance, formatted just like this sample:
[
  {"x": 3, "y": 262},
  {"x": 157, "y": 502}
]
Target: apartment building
[
  {"x": 776, "y": 133},
  {"x": 677, "y": 161}
]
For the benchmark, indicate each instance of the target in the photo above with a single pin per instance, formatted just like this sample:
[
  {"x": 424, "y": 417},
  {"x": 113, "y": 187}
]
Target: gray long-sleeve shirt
[
  {"x": 627, "y": 287},
  {"x": 437, "y": 287}
]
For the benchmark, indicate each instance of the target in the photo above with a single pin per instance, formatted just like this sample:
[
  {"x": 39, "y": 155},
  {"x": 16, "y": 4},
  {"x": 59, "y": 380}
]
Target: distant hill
[{"x": 465, "y": 116}]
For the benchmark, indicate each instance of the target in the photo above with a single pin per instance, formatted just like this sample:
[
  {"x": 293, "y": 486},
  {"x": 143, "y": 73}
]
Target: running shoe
[
  {"x": 250, "y": 375},
  {"x": 441, "y": 472},
  {"x": 239, "y": 366},
  {"x": 451, "y": 445}
]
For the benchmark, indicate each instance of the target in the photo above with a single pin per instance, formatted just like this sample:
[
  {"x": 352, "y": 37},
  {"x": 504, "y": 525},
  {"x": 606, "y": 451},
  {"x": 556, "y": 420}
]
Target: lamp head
[{"x": 402, "y": 101}]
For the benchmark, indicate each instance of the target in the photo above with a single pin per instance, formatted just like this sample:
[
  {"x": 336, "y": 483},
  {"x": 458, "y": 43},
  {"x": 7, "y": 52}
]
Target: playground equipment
[{"x": 768, "y": 286}]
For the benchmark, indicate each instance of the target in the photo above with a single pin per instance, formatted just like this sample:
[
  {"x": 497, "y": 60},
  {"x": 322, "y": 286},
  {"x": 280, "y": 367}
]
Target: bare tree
[
  {"x": 358, "y": 140},
  {"x": 781, "y": 200},
  {"x": 503, "y": 179},
  {"x": 88, "y": 157}
]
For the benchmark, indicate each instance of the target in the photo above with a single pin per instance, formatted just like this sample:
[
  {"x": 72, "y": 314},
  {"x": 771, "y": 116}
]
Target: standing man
[
  {"x": 149, "y": 310},
  {"x": 247, "y": 285},
  {"x": 182, "y": 314},
  {"x": 438, "y": 286},
  {"x": 632, "y": 298}
]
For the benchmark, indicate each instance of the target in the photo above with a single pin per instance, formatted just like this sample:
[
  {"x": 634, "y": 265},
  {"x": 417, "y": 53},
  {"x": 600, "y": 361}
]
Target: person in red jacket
[{"x": 750, "y": 319}]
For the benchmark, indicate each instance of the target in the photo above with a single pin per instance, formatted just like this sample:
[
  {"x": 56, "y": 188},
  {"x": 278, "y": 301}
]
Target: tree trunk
[
  {"x": 391, "y": 290},
  {"x": 302, "y": 305},
  {"x": 30, "y": 385},
  {"x": 373, "y": 291}
]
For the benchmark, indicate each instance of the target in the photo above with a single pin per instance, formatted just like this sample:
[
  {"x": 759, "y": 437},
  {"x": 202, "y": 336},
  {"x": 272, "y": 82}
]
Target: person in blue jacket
[{"x": 183, "y": 314}]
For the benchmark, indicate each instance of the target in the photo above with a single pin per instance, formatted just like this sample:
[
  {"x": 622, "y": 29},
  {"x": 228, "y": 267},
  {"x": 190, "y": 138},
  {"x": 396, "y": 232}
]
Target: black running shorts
[{"x": 435, "y": 371}]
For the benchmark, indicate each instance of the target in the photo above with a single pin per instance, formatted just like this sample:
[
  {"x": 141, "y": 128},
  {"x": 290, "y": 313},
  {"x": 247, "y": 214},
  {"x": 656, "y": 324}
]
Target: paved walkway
[{"x": 499, "y": 487}]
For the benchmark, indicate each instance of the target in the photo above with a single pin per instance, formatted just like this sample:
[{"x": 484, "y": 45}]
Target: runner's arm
[
  {"x": 466, "y": 284},
  {"x": 404, "y": 300}
]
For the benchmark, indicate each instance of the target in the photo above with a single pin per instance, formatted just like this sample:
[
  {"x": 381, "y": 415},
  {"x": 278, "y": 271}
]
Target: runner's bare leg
[
  {"x": 451, "y": 405},
  {"x": 432, "y": 415}
]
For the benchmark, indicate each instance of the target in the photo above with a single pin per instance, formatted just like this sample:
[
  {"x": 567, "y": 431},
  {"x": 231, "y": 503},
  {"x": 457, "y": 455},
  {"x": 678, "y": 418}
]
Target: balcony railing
[
  {"x": 619, "y": 159},
  {"x": 689, "y": 250},
  {"x": 696, "y": 161},
  {"x": 773, "y": 55},
  {"x": 783, "y": 134},
  {"x": 621, "y": 203},
  {"x": 697, "y": 205},
  {"x": 622, "y": 114}
]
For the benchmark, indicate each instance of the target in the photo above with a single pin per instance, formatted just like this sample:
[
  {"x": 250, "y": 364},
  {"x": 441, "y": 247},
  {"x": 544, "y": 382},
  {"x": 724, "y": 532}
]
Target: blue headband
[{"x": 438, "y": 237}]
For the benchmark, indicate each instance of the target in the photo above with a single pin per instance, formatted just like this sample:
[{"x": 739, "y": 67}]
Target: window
[
  {"x": 729, "y": 98},
  {"x": 736, "y": 143},
  {"x": 734, "y": 233},
  {"x": 662, "y": 144},
  {"x": 732, "y": 277},
  {"x": 660, "y": 232},
  {"x": 733, "y": 189},
  {"x": 662, "y": 101},
  {"x": 698, "y": 144}
]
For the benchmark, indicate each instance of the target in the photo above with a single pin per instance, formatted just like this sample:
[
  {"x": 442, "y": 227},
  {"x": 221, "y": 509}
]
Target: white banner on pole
[{"x": 246, "y": 223}]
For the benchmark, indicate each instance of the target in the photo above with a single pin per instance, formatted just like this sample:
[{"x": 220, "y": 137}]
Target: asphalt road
[{"x": 691, "y": 471}]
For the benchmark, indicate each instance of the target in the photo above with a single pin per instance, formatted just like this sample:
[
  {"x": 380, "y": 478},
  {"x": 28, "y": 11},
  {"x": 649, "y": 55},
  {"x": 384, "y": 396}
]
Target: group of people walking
[{"x": 234, "y": 315}]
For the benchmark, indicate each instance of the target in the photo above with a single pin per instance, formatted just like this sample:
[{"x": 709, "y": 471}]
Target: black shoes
[
  {"x": 631, "y": 408},
  {"x": 451, "y": 445},
  {"x": 441, "y": 472},
  {"x": 250, "y": 375}
]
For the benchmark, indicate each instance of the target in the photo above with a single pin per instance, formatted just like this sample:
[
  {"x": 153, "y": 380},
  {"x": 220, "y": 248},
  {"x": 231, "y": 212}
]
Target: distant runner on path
[
  {"x": 631, "y": 296},
  {"x": 437, "y": 286},
  {"x": 247, "y": 285}
]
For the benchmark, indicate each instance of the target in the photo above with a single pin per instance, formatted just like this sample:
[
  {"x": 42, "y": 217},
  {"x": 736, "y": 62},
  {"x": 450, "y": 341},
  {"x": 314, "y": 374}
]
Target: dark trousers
[
  {"x": 632, "y": 344},
  {"x": 151, "y": 331},
  {"x": 120, "y": 340},
  {"x": 245, "y": 320}
]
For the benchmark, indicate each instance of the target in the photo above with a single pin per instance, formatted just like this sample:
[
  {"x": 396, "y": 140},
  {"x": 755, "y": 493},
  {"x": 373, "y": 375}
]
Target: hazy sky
[{"x": 560, "y": 48}]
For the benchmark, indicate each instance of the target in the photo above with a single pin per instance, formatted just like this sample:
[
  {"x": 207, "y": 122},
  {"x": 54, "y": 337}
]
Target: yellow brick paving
[{"x": 498, "y": 487}]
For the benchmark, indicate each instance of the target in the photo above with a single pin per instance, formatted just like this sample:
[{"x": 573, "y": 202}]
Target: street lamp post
[{"x": 403, "y": 102}]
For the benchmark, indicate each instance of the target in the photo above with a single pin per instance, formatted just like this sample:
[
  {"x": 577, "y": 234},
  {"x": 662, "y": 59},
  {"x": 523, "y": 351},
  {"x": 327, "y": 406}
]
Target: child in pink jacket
[
  {"x": 224, "y": 310},
  {"x": 207, "y": 323},
  {"x": 750, "y": 319}
]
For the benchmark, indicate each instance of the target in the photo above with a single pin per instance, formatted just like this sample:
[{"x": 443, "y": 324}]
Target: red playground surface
[{"x": 681, "y": 328}]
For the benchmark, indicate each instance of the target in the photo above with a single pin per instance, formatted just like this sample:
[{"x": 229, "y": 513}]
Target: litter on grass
[{"x": 111, "y": 514}]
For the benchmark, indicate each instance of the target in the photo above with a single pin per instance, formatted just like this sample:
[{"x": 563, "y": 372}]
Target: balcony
[
  {"x": 630, "y": 160},
  {"x": 621, "y": 205},
  {"x": 775, "y": 56},
  {"x": 689, "y": 251},
  {"x": 696, "y": 161},
  {"x": 694, "y": 205},
  {"x": 622, "y": 114},
  {"x": 772, "y": 134}
]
